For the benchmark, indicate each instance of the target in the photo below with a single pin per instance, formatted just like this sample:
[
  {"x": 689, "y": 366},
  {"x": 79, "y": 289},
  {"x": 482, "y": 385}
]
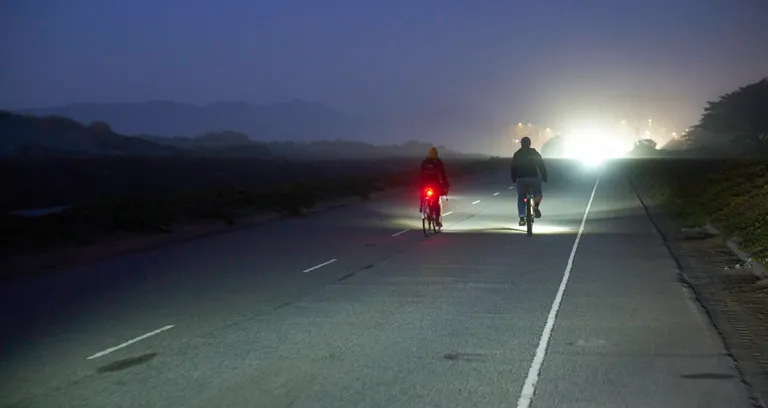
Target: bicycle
[
  {"x": 429, "y": 211},
  {"x": 529, "y": 216}
]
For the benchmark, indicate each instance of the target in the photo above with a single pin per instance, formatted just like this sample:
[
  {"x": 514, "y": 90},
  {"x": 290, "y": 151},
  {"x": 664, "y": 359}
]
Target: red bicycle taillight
[{"x": 429, "y": 192}]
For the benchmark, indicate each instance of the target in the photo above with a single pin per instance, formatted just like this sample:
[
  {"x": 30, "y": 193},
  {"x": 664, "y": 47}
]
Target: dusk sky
[{"x": 543, "y": 60}]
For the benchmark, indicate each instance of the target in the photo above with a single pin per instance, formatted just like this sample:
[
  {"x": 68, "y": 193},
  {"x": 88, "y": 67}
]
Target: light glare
[{"x": 592, "y": 147}]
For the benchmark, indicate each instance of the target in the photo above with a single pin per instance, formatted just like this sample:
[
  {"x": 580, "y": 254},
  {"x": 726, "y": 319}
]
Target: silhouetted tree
[
  {"x": 554, "y": 147},
  {"x": 676, "y": 144},
  {"x": 644, "y": 147},
  {"x": 741, "y": 116},
  {"x": 646, "y": 144},
  {"x": 698, "y": 138}
]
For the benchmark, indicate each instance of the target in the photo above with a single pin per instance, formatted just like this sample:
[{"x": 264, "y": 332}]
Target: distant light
[
  {"x": 623, "y": 122},
  {"x": 650, "y": 120},
  {"x": 581, "y": 144},
  {"x": 529, "y": 125},
  {"x": 674, "y": 134},
  {"x": 519, "y": 124},
  {"x": 548, "y": 130}
]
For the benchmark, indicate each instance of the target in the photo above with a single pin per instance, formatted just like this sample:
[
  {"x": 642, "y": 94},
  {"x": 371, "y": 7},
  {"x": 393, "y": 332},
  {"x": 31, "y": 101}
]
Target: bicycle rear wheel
[
  {"x": 529, "y": 213},
  {"x": 432, "y": 219}
]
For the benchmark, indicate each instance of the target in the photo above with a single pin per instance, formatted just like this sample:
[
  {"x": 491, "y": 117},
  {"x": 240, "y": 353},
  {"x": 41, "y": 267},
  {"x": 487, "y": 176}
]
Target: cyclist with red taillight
[{"x": 433, "y": 176}]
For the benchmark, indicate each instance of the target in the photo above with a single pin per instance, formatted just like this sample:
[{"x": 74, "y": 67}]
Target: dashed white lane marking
[
  {"x": 319, "y": 266},
  {"x": 402, "y": 232},
  {"x": 511, "y": 187},
  {"x": 529, "y": 387},
  {"x": 495, "y": 194},
  {"x": 475, "y": 202},
  {"x": 448, "y": 213},
  {"x": 129, "y": 342}
]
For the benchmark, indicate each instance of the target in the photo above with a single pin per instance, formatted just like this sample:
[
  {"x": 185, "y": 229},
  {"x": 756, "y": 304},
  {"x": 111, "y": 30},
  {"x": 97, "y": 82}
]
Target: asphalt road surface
[{"x": 354, "y": 307}]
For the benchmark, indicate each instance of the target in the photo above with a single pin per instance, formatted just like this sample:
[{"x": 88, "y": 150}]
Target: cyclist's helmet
[
  {"x": 432, "y": 154},
  {"x": 525, "y": 142}
]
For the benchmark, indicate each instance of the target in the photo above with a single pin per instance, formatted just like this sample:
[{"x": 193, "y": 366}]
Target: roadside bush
[{"x": 729, "y": 194}]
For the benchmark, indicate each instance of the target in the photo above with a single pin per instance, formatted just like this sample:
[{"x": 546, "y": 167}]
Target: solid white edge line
[
  {"x": 529, "y": 387},
  {"x": 448, "y": 213},
  {"x": 401, "y": 232},
  {"x": 476, "y": 202},
  {"x": 319, "y": 266},
  {"x": 495, "y": 194},
  {"x": 129, "y": 342}
]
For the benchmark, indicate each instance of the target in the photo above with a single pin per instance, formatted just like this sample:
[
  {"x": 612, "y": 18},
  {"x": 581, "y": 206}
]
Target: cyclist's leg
[
  {"x": 421, "y": 200},
  {"x": 422, "y": 187},
  {"x": 439, "y": 210},
  {"x": 522, "y": 184},
  {"x": 537, "y": 196},
  {"x": 440, "y": 194}
]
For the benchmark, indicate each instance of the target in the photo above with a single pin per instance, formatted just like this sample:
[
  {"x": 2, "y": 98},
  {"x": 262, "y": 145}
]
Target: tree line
[{"x": 737, "y": 121}]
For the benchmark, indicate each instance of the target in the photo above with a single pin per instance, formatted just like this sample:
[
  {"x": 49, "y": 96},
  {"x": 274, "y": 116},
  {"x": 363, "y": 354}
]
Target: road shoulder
[{"x": 727, "y": 292}]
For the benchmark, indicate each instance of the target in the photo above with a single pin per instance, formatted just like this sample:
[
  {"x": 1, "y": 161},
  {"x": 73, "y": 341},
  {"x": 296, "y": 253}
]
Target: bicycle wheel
[
  {"x": 432, "y": 219},
  {"x": 529, "y": 213}
]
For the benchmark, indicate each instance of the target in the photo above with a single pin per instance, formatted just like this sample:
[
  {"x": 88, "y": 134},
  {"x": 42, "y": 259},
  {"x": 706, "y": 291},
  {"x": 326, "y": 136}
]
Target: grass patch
[{"x": 731, "y": 194}]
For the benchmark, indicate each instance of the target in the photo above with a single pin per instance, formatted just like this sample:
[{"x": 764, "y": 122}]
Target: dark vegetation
[
  {"x": 718, "y": 175},
  {"x": 57, "y": 181},
  {"x": 109, "y": 184},
  {"x": 644, "y": 148},
  {"x": 159, "y": 208}
]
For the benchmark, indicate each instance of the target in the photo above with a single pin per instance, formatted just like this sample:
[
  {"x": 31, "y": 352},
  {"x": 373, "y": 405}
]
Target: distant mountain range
[
  {"x": 35, "y": 136},
  {"x": 25, "y": 135},
  {"x": 296, "y": 120}
]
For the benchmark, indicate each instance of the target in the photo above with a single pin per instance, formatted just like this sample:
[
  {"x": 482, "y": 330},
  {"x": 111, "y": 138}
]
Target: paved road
[{"x": 480, "y": 316}]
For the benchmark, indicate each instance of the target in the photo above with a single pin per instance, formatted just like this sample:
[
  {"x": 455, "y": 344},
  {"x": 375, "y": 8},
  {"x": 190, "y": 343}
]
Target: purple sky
[{"x": 542, "y": 60}]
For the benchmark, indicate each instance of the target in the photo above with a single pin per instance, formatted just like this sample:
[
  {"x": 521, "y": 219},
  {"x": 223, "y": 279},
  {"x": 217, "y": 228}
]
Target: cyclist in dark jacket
[
  {"x": 528, "y": 170},
  {"x": 433, "y": 175}
]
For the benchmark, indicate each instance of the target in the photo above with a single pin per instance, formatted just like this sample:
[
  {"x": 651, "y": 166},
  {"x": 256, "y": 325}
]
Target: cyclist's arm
[
  {"x": 441, "y": 168},
  {"x": 542, "y": 167},
  {"x": 513, "y": 168}
]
